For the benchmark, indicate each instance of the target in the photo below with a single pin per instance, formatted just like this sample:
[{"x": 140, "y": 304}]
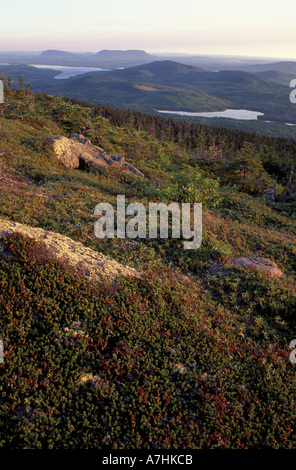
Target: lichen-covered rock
[
  {"x": 80, "y": 138},
  {"x": 92, "y": 264},
  {"x": 65, "y": 151},
  {"x": 257, "y": 264},
  {"x": 75, "y": 151}
]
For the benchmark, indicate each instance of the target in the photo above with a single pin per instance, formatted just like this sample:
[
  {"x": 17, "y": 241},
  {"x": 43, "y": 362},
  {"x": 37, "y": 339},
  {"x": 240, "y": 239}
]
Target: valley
[{"x": 168, "y": 85}]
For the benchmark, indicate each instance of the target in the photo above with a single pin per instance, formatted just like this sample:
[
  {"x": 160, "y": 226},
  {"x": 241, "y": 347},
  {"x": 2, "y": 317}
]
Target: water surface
[
  {"x": 68, "y": 72},
  {"x": 243, "y": 114}
]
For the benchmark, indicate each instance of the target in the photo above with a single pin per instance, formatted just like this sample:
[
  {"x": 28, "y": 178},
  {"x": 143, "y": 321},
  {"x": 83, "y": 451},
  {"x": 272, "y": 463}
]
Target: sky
[{"x": 261, "y": 28}]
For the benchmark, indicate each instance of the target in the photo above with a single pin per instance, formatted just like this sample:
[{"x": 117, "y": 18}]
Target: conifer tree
[
  {"x": 246, "y": 167},
  {"x": 21, "y": 84}
]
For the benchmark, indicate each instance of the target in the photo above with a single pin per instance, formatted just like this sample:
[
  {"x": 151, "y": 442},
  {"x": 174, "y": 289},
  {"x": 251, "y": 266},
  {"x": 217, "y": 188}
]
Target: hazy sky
[{"x": 263, "y": 28}]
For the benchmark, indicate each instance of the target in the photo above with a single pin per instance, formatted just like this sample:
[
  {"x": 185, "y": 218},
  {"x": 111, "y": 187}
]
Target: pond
[
  {"x": 243, "y": 114},
  {"x": 67, "y": 72}
]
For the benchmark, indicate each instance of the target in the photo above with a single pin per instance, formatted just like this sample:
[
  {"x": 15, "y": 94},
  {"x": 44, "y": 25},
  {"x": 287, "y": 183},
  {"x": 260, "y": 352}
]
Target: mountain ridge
[
  {"x": 207, "y": 62},
  {"x": 173, "y": 86}
]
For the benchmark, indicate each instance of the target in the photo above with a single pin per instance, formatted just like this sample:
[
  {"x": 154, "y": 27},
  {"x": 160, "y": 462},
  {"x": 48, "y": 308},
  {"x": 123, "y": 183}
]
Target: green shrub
[{"x": 190, "y": 187}]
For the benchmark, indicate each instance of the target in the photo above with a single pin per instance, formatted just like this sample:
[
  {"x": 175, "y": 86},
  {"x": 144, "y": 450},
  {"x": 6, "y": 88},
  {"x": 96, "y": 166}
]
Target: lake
[
  {"x": 68, "y": 72},
  {"x": 242, "y": 114}
]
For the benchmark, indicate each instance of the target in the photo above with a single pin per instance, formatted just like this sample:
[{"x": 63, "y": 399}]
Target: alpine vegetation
[{"x": 116, "y": 332}]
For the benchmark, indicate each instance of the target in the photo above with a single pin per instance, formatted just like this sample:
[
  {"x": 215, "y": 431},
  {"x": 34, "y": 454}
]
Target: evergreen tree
[
  {"x": 246, "y": 168},
  {"x": 21, "y": 84}
]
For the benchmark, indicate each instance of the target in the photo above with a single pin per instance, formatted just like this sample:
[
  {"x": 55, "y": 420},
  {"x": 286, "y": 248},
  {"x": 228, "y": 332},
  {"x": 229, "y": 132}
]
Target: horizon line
[{"x": 188, "y": 54}]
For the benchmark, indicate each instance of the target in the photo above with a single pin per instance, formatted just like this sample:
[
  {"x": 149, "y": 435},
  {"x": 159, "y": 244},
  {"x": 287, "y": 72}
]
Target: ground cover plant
[{"x": 194, "y": 354}]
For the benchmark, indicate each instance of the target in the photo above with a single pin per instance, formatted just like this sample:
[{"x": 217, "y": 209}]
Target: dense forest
[{"x": 191, "y": 136}]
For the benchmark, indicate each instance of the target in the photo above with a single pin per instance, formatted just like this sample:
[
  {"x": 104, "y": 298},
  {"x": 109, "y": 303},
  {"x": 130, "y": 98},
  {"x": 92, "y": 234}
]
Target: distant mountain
[
  {"x": 216, "y": 62},
  {"x": 122, "y": 59},
  {"x": 56, "y": 57},
  {"x": 103, "y": 59},
  {"x": 280, "y": 72},
  {"x": 172, "y": 73},
  {"x": 166, "y": 72},
  {"x": 131, "y": 58},
  {"x": 107, "y": 54},
  {"x": 244, "y": 90},
  {"x": 56, "y": 53},
  {"x": 283, "y": 67},
  {"x": 279, "y": 77},
  {"x": 103, "y": 89},
  {"x": 161, "y": 68}
]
